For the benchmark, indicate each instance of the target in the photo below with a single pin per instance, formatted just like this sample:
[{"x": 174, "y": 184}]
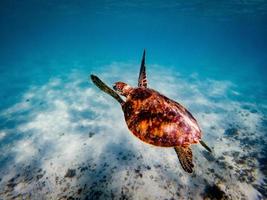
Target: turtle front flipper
[
  {"x": 142, "y": 82},
  {"x": 102, "y": 86},
  {"x": 185, "y": 157}
]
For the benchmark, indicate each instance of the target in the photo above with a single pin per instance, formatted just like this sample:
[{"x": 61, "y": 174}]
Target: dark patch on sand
[
  {"x": 214, "y": 192},
  {"x": 70, "y": 173}
]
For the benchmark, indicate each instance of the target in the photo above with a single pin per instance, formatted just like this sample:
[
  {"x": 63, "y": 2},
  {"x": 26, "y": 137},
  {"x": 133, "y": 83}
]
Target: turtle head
[{"x": 122, "y": 88}]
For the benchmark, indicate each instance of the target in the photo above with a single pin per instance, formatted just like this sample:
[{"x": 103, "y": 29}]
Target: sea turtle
[{"x": 156, "y": 119}]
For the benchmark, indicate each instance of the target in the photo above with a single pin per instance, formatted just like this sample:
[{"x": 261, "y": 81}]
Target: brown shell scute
[
  {"x": 140, "y": 94},
  {"x": 158, "y": 120},
  {"x": 128, "y": 109}
]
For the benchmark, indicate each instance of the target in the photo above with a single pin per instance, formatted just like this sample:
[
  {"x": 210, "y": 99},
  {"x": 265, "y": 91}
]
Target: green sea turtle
[{"x": 156, "y": 119}]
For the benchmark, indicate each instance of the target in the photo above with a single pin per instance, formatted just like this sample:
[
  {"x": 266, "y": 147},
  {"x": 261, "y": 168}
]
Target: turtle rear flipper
[
  {"x": 204, "y": 145},
  {"x": 185, "y": 157},
  {"x": 102, "y": 86}
]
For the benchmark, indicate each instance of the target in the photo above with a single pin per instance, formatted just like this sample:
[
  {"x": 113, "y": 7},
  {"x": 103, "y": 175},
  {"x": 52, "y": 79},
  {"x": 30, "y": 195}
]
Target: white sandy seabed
[{"x": 68, "y": 140}]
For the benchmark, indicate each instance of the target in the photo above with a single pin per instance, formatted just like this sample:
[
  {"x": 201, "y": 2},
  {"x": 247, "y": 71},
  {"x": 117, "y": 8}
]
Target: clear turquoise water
[{"x": 210, "y": 56}]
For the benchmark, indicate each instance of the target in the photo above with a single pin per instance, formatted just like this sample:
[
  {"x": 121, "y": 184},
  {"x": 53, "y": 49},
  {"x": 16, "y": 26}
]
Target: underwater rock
[
  {"x": 138, "y": 172},
  {"x": 70, "y": 173},
  {"x": 214, "y": 192},
  {"x": 11, "y": 184},
  {"x": 231, "y": 132},
  {"x": 211, "y": 170},
  {"x": 235, "y": 154},
  {"x": 124, "y": 193},
  {"x": 79, "y": 191},
  {"x": 157, "y": 166},
  {"x": 39, "y": 176},
  {"x": 230, "y": 167},
  {"x": 261, "y": 189},
  {"x": 262, "y": 159},
  {"x": 94, "y": 195},
  {"x": 83, "y": 169},
  {"x": 245, "y": 175},
  {"x": 212, "y": 127},
  {"x": 91, "y": 134},
  {"x": 56, "y": 179}
]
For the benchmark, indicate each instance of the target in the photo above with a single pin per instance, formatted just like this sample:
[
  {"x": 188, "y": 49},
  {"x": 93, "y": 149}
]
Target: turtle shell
[{"x": 158, "y": 120}]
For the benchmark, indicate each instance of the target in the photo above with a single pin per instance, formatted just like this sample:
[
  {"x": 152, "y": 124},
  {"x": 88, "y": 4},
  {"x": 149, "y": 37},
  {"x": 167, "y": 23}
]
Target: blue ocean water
[{"x": 211, "y": 56}]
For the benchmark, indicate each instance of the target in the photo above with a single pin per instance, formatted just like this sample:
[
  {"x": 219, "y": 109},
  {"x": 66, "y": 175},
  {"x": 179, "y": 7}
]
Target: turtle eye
[
  {"x": 116, "y": 87},
  {"x": 119, "y": 86}
]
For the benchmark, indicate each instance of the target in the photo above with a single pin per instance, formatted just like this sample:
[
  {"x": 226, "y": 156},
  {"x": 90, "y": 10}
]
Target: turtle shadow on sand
[{"x": 121, "y": 170}]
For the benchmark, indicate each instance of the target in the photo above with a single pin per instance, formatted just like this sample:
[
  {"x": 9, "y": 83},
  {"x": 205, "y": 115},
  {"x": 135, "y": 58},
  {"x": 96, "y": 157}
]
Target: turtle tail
[
  {"x": 102, "y": 86},
  {"x": 185, "y": 157},
  {"x": 204, "y": 145}
]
